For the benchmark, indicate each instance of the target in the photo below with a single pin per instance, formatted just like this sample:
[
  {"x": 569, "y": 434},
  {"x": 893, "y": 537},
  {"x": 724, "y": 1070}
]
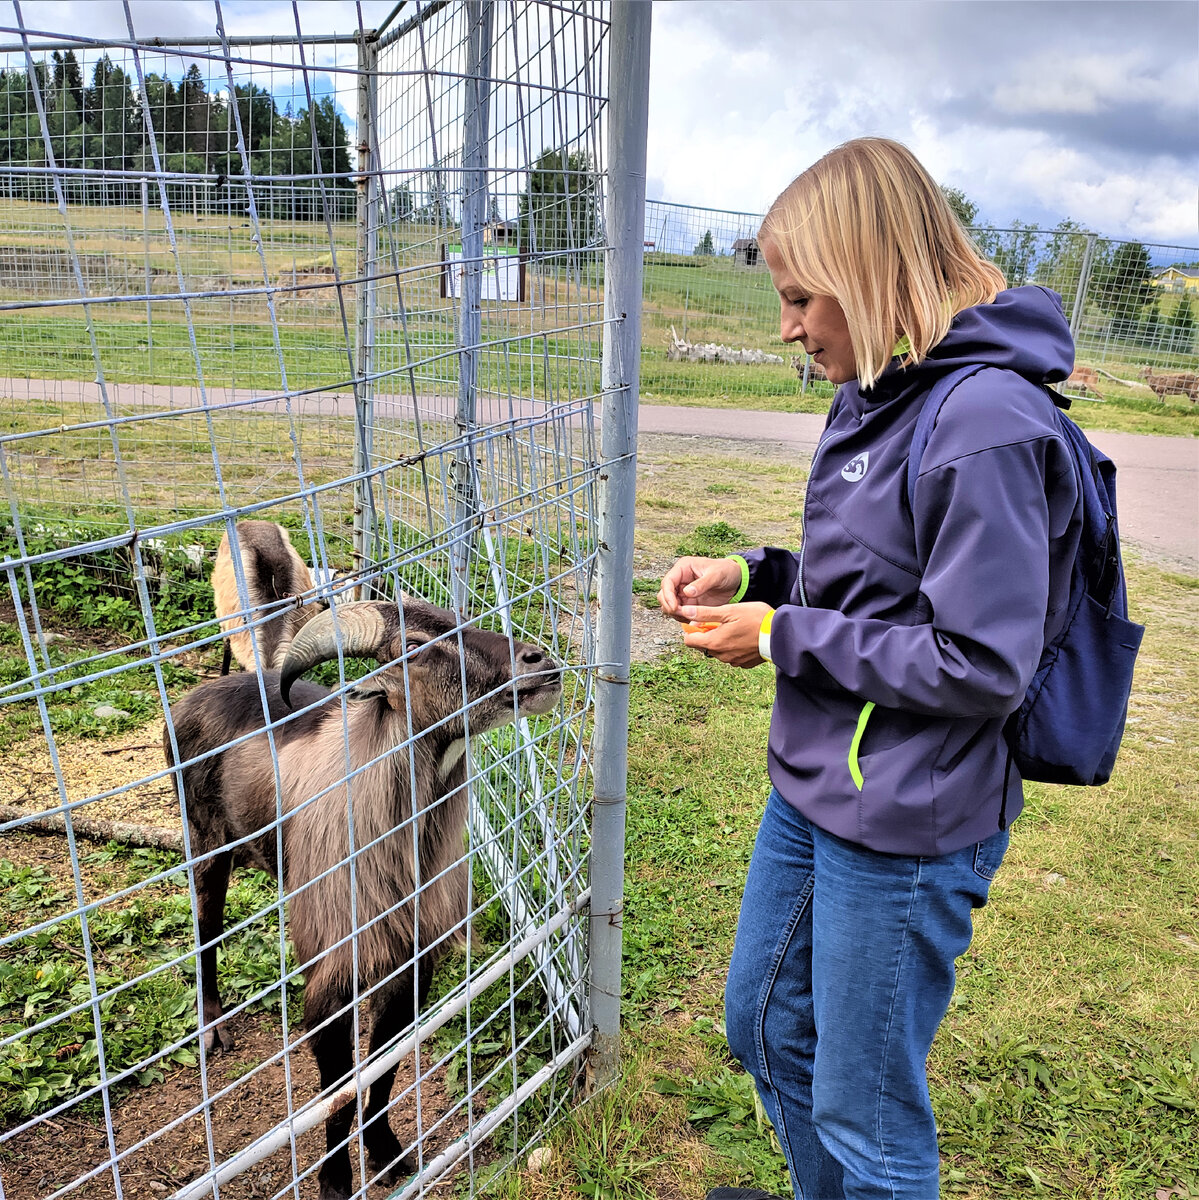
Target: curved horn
[{"x": 363, "y": 630}]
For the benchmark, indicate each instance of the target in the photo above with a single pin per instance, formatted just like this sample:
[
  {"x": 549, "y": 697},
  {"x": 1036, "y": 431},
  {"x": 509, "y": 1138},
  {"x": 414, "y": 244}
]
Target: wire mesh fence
[
  {"x": 711, "y": 322},
  {"x": 301, "y": 349}
]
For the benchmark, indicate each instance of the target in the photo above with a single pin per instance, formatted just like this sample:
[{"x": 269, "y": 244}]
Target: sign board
[{"x": 502, "y": 276}]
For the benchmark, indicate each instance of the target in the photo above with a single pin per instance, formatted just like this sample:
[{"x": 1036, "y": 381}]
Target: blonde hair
[{"x": 868, "y": 226}]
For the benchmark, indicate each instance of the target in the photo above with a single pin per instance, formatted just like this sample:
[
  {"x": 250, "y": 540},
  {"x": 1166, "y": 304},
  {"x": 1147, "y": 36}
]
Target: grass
[
  {"x": 1068, "y": 1065},
  {"x": 702, "y": 300}
]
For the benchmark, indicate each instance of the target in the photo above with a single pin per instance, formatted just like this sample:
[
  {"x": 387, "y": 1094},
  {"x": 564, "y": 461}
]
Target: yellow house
[{"x": 1177, "y": 279}]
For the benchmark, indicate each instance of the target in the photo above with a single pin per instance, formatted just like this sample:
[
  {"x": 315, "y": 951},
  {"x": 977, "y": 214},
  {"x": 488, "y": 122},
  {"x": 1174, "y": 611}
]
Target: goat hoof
[
  {"x": 218, "y": 1039},
  {"x": 335, "y": 1189},
  {"x": 384, "y": 1156},
  {"x": 400, "y": 1171}
]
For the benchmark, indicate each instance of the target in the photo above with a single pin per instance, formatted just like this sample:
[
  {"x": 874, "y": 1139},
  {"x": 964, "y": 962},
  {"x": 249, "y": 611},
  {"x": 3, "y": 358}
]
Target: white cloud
[
  {"x": 1092, "y": 84},
  {"x": 1038, "y": 111}
]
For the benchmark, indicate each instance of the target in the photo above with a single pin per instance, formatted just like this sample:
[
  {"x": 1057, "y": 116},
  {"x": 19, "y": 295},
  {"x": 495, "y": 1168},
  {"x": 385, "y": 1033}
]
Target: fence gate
[{"x": 304, "y": 333}]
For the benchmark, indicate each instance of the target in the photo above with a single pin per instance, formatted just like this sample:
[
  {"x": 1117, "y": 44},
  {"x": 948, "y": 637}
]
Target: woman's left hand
[{"x": 735, "y": 639}]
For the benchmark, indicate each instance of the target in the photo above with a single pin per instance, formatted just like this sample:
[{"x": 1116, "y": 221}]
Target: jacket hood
[{"x": 1023, "y": 330}]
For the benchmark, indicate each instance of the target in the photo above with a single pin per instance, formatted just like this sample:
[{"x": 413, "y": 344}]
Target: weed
[
  {"x": 137, "y": 1009},
  {"x": 712, "y": 541}
]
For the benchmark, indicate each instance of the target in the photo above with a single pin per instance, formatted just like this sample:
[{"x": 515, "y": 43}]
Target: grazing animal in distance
[
  {"x": 402, "y": 736},
  {"x": 815, "y": 370},
  {"x": 275, "y": 574},
  {"x": 1084, "y": 380},
  {"x": 1173, "y": 383}
]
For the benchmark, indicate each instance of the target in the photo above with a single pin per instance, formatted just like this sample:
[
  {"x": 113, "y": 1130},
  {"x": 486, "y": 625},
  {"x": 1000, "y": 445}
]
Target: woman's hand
[
  {"x": 735, "y": 638},
  {"x": 695, "y": 580}
]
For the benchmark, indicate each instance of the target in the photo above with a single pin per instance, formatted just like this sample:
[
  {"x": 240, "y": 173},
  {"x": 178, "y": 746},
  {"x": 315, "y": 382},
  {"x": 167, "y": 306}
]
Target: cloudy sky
[{"x": 1037, "y": 109}]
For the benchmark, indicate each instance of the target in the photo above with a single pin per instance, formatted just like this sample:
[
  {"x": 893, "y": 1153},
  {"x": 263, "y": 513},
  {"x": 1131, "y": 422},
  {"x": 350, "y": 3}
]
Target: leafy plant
[
  {"x": 139, "y": 1011},
  {"x": 96, "y": 589},
  {"x": 712, "y": 541}
]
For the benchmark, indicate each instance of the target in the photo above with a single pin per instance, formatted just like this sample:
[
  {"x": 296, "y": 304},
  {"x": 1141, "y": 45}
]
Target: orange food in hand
[{"x": 700, "y": 626}]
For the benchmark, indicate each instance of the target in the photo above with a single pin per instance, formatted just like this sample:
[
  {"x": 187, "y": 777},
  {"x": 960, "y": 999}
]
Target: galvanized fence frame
[
  {"x": 1133, "y": 307},
  {"x": 507, "y": 506}
]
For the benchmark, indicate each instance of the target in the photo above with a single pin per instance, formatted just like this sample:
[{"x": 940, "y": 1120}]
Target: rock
[
  {"x": 106, "y": 712},
  {"x": 540, "y": 1159}
]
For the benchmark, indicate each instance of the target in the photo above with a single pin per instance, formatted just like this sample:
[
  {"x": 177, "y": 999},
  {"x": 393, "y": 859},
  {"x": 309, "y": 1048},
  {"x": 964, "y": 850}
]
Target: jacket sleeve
[
  {"x": 771, "y": 574},
  {"x": 983, "y": 538}
]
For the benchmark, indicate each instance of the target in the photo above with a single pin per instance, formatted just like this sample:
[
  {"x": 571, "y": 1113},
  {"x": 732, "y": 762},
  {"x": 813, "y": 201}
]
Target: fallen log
[
  {"x": 681, "y": 351},
  {"x": 95, "y": 830}
]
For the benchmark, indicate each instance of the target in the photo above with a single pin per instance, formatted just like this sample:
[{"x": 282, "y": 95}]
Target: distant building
[
  {"x": 1176, "y": 279},
  {"x": 745, "y": 252},
  {"x": 501, "y": 233}
]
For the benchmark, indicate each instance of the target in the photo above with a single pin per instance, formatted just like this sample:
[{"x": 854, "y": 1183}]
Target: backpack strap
[{"x": 929, "y": 411}]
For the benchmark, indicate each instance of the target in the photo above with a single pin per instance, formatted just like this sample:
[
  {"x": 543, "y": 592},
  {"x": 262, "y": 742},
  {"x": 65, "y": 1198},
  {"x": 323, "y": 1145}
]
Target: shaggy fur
[
  {"x": 275, "y": 573},
  {"x": 409, "y": 840}
]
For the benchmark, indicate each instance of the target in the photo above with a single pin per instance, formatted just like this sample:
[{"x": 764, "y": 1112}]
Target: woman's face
[{"x": 816, "y": 322}]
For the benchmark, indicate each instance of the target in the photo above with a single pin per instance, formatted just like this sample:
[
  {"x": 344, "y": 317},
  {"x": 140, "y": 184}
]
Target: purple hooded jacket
[{"x": 903, "y": 640}]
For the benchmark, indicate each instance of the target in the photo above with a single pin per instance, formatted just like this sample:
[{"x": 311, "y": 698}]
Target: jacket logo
[{"x": 856, "y": 468}]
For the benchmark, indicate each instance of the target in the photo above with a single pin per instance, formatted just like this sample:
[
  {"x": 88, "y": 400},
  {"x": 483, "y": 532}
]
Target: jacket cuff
[
  {"x": 740, "y": 592},
  {"x": 764, "y": 636}
]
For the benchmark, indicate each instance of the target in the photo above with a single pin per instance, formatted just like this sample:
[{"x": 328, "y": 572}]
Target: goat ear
[{"x": 366, "y": 689}]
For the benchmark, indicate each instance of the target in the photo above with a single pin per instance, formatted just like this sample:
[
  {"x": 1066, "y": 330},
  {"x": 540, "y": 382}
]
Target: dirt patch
[
  {"x": 92, "y": 768},
  {"x": 161, "y": 1134}
]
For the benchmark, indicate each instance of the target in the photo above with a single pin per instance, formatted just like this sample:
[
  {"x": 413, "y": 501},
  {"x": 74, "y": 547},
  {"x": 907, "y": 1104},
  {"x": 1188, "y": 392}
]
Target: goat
[
  {"x": 274, "y": 573},
  {"x": 1173, "y": 383},
  {"x": 231, "y": 795}
]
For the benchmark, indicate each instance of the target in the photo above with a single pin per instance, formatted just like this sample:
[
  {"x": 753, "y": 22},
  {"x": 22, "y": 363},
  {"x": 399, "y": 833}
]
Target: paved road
[
  {"x": 1158, "y": 476},
  {"x": 1158, "y": 482}
]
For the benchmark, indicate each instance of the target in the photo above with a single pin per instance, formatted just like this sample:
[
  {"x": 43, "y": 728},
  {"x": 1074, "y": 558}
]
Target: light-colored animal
[
  {"x": 1084, "y": 380},
  {"x": 275, "y": 575},
  {"x": 426, "y": 661},
  {"x": 1173, "y": 383}
]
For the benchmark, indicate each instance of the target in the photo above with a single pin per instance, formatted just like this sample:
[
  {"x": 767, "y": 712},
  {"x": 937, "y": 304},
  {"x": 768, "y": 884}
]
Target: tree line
[
  {"x": 104, "y": 126},
  {"x": 1118, "y": 278}
]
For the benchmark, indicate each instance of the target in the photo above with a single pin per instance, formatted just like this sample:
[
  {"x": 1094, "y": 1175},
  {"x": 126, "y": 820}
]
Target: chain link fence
[
  {"x": 304, "y": 334},
  {"x": 711, "y": 317}
]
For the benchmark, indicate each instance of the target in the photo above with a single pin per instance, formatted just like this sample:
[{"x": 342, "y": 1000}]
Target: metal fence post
[
  {"x": 365, "y": 531},
  {"x": 1084, "y": 277},
  {"x": 470, "y": 322},
  {"x": 145, "y": 190},
  {"x": 625, "y": 221}
]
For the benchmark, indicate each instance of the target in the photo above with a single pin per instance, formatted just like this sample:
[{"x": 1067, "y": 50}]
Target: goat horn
[{"x": 363, "y": 631}]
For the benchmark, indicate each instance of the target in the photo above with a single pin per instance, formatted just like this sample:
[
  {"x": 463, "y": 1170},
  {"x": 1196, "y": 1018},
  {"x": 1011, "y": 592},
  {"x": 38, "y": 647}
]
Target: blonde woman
[{"x": 902, "y": 637}]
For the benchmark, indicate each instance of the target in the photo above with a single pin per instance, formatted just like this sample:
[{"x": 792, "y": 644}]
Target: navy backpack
[{"x": 1069, "y": 725}]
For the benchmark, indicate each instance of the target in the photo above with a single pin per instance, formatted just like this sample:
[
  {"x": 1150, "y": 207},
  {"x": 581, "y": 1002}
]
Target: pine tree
[
  {"x": 193, "y": 97},
  {"x": 1182, "y": 327},
  {"x": 559, "y": 208}
]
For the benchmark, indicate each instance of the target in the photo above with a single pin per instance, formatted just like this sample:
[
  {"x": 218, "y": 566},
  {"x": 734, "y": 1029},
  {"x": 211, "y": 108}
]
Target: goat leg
[
  {"x": 212, "y": 884},
  {"x": 332, "y": 1046},
  {"x": 394, "y": 1012}
]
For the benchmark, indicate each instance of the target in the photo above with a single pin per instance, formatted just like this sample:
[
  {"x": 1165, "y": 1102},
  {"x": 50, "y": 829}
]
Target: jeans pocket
[{"x": 989, "y": 854}]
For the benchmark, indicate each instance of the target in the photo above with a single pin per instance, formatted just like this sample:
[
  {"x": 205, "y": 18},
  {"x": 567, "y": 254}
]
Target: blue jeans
[{"x": 842, "y": 970}]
